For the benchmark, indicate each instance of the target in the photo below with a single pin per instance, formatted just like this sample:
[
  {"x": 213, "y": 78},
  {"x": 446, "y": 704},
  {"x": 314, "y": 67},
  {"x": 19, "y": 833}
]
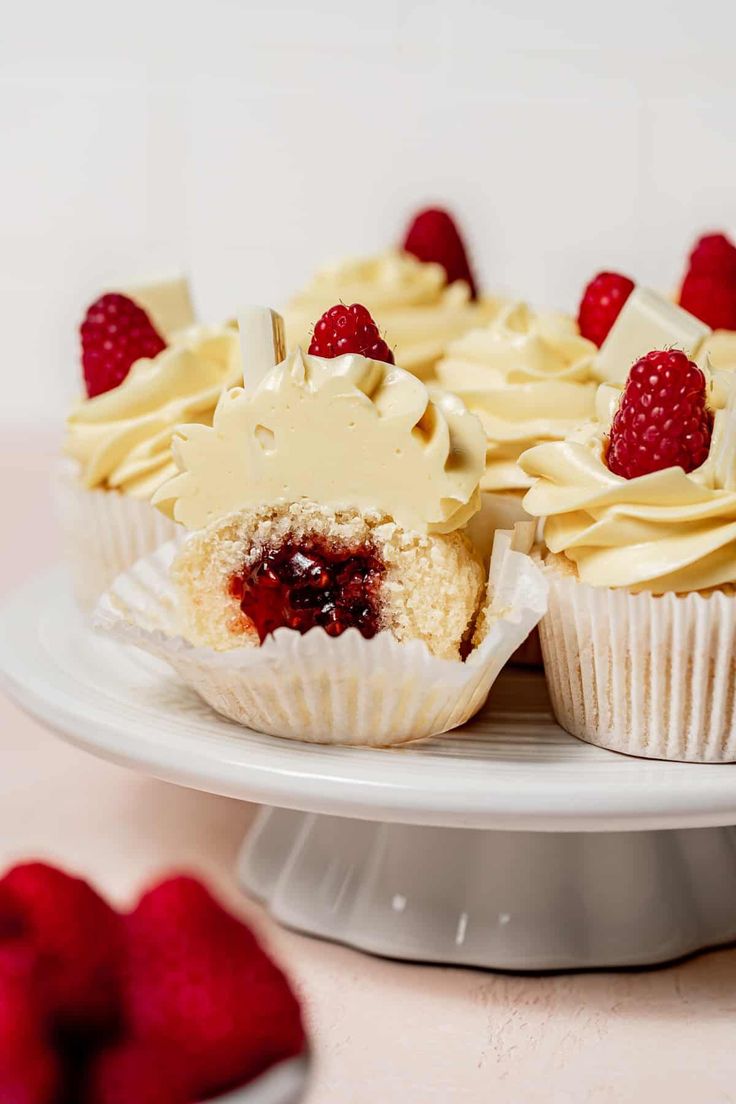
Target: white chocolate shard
[
  {"x": 262, "y": 343},
  {"x": 167, "y": 302},
  {"x": 723, "y": 445},
  {"x": 647, "y": 321}
]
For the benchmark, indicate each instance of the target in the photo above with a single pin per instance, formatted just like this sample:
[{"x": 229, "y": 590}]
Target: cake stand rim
[{"x": 688, "y": 796}]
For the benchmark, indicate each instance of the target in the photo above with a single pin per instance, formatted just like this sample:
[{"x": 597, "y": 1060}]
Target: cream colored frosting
[
  {"x": 416, "y": 310},
  {"x": 668, "y": 531},
  {"x": 720, "y": 348},
  {"x": 348, "y": 431},
  {"x": 122, "y": 439},
  {"x": 529, "y": 378}
]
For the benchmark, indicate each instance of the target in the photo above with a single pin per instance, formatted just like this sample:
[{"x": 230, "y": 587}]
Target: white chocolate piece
[
  {"x": 166, "y": 302},
  {"x": 647, "y": 321},
  {"x": 723, "y": 446},
  {"x": 262, "y": 343},
  {"x": 343, "y": 432}
]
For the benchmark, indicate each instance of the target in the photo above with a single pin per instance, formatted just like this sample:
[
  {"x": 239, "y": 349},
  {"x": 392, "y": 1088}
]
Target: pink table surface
[{"x": 382, "y": 1031}]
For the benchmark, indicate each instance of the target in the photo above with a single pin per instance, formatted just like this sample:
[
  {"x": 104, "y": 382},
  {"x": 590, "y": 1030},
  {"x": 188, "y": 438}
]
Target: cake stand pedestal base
[{"x": 504, "y": 900}]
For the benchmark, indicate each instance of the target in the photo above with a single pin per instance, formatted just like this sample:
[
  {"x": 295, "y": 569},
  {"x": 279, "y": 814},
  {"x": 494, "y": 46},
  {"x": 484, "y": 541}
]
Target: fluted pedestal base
[{"x": 505, "y": 900}]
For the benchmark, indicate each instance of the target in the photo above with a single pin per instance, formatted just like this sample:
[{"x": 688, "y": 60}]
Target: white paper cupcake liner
[
  {"x": 645, "y": 675},
  {"x": 498, "y": 510},
  {"x": 504, "y": 510},
  {"x": 103, "y": 532},
  {"x": 315, "y": 688}
]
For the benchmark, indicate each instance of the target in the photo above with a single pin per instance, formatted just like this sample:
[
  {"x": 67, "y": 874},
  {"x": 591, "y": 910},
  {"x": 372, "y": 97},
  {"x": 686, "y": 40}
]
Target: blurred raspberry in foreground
[{"x": 174, "y": 1003}]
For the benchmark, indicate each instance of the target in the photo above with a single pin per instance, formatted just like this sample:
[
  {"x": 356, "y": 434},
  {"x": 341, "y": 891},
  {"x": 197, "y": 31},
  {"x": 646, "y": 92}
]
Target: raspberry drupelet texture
[
  {"x": 115, "y": 333},
  {"x": 663, "y": 420},
  {"x": 351, "y": 329},
  {"x": 601, "y": 304},
  {"x": 434, "y": 237}
]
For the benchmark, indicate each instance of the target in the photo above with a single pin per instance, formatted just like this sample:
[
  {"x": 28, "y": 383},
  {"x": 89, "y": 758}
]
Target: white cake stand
[{"x": 506, "y": 844}]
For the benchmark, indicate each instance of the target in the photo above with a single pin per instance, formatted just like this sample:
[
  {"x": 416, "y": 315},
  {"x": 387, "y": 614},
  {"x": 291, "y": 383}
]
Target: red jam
[{"x": 302, "y": 585}]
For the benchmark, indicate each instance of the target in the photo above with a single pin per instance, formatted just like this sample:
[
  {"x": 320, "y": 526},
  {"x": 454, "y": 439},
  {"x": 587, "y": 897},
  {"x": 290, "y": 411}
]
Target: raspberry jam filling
[{"x": 302, "y": 585}]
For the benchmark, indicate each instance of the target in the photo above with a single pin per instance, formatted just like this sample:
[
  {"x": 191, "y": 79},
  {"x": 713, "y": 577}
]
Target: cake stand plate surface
[{"x": 505, "y": 844}]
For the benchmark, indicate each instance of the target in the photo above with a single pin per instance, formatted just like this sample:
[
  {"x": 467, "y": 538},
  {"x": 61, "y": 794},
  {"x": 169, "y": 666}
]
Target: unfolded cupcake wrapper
[
  {"x": 104, "y": 533},
  {"x": 647, "y": 675},
  {"x": 504, "y": 510},
  {"x": 344, "y": 690},
  {"x": 498, "y": 510}
]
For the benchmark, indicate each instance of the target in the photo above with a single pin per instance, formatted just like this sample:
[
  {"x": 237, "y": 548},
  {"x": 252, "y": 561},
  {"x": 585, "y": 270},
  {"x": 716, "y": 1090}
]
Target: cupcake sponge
[{"x": 431, "y": 586}]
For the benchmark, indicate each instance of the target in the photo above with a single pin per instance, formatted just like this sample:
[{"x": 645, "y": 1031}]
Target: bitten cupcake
[
  {"x": 640, "y": 639},
  {"x": 147, "y": 367},
  {"x": 423, "y": 295},
  {"x": 529, "y": 377},
  {"x": 328, "y": 590}
]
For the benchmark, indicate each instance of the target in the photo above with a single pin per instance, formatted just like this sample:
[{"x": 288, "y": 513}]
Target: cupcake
[
  {"x": 529, "y": 377},
  {"x": 328, "y": 590},
  {"x": 147, "y": 367},
  {"x": 640, "y": 555},
  {"x": 423, "y": 295}
]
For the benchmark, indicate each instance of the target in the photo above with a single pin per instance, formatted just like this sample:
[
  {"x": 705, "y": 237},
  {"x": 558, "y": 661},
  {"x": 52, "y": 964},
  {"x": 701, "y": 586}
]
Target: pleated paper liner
[
  {"x": 103, "y": 532},
  {"x": 346, "y": 690},
  {"x": 646, "y": 675}
]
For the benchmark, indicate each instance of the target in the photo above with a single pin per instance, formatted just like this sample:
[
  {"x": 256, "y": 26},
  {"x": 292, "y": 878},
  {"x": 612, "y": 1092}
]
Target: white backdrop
[{"x": 249, "y": 141}]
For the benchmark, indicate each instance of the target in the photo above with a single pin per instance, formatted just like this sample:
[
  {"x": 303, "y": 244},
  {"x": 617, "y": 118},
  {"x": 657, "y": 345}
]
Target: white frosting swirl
[
  {"x": 667, "y": 531},
  {"x": 122, "y": 438},
  {"x": 529, "y": 377},
  {"x": 416, "y": 310}
]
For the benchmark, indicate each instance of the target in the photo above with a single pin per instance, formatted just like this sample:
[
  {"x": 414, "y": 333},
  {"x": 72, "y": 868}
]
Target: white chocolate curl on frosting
[
  {"x": 529, "y": 378},
  {"x": 414, "y": 307},
  {"x": 667, "y": 531},
  {"x": 122, "y": 438},
  {"x": 342, "y": 432}
]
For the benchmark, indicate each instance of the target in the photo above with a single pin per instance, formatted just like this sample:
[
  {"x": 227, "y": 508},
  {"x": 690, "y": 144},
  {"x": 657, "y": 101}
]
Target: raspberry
[
  {"x": 713, "y": 255},
  {"x": 29, "y": 1069},
  {"x": 601, "y": 305},
  {"x": 76, "y": 938},
  {"x": 115, "y": 333},
  {"x": 662, "y": 420},
  {"x": 197, "y": 981},
  {"x": 433, "y": 236},
  {"x": 711, "y": 299},
  {"x": 136, "y": 1070},
  {"x": 344, "y": 329}
]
